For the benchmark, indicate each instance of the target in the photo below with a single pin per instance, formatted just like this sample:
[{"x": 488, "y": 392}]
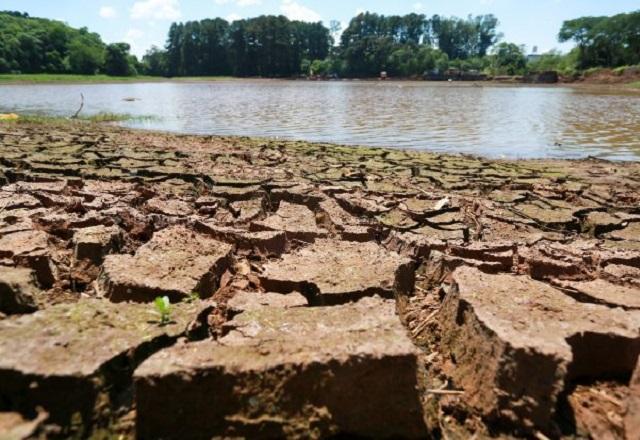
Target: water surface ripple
[{"x": 488, "y": 120}]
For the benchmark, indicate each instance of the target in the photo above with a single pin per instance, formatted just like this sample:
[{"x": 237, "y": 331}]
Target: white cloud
[
  {"x": 156, "y": 10},
  {"x": 248, "y": 2},
  {"x": 295, "y": 11},
  {"x": 108, "y": 12},
  {"x": 232, "y": 17},
  {"x": 241, "y": 3},
  {"x": 418, "y": 6}
]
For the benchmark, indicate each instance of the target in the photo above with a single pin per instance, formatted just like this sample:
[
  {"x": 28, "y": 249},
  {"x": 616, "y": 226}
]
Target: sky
[{"x": 143, "y": 23}]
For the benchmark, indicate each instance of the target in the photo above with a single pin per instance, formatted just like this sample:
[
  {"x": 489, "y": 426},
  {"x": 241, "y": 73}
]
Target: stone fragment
[
  {"x": 298, "y": 372},
  {"x": 331, "y": 272},
  {"x": 297, "y": 221},
  {"x": 517, "y": 342},
  {"x": 94, "y": 242},
  {"x": 176, "y": 262},
  {"x": 68, "y": 357},
  {"x": 17, "y": 290},
  {"x": 245, "y": 301}
]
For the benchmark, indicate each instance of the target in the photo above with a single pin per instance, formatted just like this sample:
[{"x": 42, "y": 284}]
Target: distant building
[{"x": 533, "y": 57}]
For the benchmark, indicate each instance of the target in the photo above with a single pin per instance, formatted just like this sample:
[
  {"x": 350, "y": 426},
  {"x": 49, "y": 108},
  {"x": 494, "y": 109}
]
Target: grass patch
[
  {"x": 635, "y": 85},
  {"x": 97, "y": 118},
  {"x": 46, "y": 78}
]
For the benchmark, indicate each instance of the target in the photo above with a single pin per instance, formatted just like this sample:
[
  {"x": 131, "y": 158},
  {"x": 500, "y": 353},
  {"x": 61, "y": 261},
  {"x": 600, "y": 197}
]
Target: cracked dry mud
[{"x": 316, "y": 290}]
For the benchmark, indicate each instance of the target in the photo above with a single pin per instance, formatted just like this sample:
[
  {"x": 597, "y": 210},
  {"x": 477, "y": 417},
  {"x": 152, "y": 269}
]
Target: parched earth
[{"x": 315, "y": 290}]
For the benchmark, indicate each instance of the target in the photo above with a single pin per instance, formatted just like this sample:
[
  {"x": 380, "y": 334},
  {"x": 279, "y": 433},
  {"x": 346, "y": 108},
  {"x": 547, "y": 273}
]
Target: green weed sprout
[{"x": 163, "y": 306}]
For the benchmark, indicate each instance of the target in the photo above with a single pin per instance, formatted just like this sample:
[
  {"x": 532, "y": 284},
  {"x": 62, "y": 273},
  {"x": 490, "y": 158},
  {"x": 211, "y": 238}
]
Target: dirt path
[{"x": 315, "y": 290}]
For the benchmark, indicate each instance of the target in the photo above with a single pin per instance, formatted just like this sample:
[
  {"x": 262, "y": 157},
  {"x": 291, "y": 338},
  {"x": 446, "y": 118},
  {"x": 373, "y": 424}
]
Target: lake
[{"x": 484, "y": 119}]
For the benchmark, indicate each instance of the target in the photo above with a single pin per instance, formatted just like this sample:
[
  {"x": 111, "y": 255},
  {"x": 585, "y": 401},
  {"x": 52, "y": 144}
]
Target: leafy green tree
[
  {"x": 86, "y": 55},
  {"x": 155, "y": 62},
  {"x": 38, "y": 45},
  {"x": 604, "y": 41},
  {"x": 118, "y": 60},
  {"x": 509, "y": 59}
]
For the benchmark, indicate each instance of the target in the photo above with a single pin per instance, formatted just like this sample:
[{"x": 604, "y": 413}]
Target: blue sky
[{"x": 145, "y": 22}]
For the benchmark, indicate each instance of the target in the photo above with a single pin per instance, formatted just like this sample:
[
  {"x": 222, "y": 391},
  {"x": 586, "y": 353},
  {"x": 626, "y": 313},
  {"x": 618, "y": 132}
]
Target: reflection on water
[{"x": 486, "y": 120}]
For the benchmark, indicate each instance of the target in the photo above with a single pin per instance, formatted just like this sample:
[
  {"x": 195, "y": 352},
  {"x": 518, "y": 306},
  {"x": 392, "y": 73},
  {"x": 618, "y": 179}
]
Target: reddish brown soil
[
  {"x": 609, "y": 76},
  {"x": 315, "y": 290}
]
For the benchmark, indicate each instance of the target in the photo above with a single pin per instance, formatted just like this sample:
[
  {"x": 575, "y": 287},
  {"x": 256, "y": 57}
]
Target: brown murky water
[{"x": 489, "y": 120}]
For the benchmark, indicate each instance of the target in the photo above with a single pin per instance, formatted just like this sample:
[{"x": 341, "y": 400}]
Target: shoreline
[
  {"x": 632, "y": 87},
  {"x": 290, "y": 262}
]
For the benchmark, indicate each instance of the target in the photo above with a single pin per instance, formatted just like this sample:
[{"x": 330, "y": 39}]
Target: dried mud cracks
[{"x": 316, "y": 290}]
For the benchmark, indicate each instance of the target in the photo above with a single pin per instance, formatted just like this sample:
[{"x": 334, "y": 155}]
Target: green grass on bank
[
  {"x": 63, "y": 78},
  {"x": 97, "y": 118},
  {"x": 635, "y": 85}
]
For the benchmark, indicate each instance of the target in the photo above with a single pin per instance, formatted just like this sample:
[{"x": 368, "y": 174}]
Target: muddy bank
[{"x": 315, "y": 290}]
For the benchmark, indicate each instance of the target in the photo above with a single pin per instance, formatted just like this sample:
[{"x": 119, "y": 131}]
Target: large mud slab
[
  {"x": 74, "y": 358},
  {"x": 288, "y": 372}
]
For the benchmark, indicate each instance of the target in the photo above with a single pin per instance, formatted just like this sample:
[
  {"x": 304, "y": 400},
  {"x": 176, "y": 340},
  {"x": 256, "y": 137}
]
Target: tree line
[
  {"x": 38, "y": 45},
  {"x": 274, "y": 46},
  {"x": 604, "y": 41}
]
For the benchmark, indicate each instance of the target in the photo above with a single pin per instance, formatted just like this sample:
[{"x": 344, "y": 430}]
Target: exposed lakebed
[
  {"x": 315, "y": 290},
  {"x": 484, "y": 119}
]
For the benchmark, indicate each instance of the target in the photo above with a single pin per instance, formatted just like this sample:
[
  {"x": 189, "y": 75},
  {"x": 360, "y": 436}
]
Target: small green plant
[{"x": 163, "y": 306}]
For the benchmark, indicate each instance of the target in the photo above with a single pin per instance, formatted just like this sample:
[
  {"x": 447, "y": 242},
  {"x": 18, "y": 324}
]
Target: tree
[
  {"x": 118, "y": 60},
  {"x": 604, "y": 41},
  {"x": 37, "y": 45},
  {"x": 155, "y": 62},
  {"x": 86, "y": 55},
  {"x": 509, "y": 59}
]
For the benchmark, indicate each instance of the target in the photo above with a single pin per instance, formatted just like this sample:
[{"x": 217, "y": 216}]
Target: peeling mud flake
[
  {"x": 30, "y": 249},
  {"x": 517, "y": 342},
  {"x": 62, "y": 358},
  {"x": 263, "y": 242},
  {"x": 333, "y": 272},
  {"x": 288, "y": 373},
  {"x": 176, "y": 262},
  {"x": 172, "y": 208},
  {"x": 94, "y": 242},
  {"x": 603, "y": 292},
  {"x": 631, "y": 233},
  {"x": 245, "y": 301},
  {"x": 297, "y": 221},
  {"x": 18, "y": 290}
]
